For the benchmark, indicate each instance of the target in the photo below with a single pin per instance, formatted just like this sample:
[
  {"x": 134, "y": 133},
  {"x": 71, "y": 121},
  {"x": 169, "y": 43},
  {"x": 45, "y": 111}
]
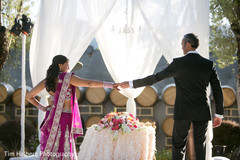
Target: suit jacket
[{"x": 192, "y": 74}]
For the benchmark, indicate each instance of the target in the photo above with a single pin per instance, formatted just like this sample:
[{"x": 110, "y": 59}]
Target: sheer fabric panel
[
  {"x": 67, "y": 28},
  {"x": 127, "y": 47}
]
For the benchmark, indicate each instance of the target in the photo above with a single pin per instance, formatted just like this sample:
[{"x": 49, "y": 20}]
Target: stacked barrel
[{"x": 154, "y": 105}]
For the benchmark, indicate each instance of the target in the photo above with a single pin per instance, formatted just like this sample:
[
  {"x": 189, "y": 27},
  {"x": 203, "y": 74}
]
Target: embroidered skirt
[{"x": 63, "y": 145}]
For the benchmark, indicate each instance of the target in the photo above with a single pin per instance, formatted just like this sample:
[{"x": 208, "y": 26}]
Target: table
[{"x": 100, "y": 145}]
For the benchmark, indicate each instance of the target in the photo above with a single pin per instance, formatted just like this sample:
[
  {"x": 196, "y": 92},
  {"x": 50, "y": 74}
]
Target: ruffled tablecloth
[{"x": 99, "y": 145}]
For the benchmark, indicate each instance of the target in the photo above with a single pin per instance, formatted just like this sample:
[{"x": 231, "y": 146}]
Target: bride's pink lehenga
[{"x": 61, "y": 126}]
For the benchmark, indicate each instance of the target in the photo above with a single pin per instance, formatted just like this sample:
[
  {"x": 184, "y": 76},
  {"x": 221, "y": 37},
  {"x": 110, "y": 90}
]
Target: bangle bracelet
[
  {"x": 107, "y": 84},
  {"x": 40, "y": 106}
]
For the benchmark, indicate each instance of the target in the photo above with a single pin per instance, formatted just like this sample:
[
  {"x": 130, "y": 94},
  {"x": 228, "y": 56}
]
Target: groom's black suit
[{"x": 192, "y": 74}]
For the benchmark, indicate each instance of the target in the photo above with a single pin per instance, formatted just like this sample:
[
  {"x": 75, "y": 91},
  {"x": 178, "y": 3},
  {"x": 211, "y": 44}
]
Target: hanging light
[
  {"x": 27, "y": 25},
  {"x": 127, "y": 28},
  {"x": 16, "y": 29}
]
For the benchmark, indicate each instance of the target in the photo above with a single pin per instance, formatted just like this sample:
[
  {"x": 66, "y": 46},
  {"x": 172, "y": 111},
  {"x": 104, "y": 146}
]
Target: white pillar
[{"x": 22, "y": 151}]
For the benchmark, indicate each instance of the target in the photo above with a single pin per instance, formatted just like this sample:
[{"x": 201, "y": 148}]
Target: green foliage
[
  {"x": 223, "y": 45},
  {"x": 164, "y": 154},
  {"x": 227, "y": 135},
  {"x": 224, "y": 22},
  {"x": 33, "y": 143},
  {"x": 11, "y": 135},
  {"x": 11, "y": 9}
]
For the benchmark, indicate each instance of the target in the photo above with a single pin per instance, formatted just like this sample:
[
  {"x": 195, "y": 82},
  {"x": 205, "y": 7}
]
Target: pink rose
[
  {"x": 116, "y": 127},
  {"x": 115, "y": 121},
  {"x": 120, "y": 120}
]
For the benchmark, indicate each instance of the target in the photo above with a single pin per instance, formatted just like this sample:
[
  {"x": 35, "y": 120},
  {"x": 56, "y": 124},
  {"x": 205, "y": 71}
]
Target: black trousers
[{"x": 179, "y": 138}]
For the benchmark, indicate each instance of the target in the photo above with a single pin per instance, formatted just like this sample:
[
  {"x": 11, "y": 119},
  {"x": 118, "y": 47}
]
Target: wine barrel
[
  {"x": 229, "y": 96},
  {"x": 4, "y": 118},
  {"x": 6, "y": 91},
  {"x": 80, "y": 93},
  {"x": 147, "y": 120},
  {"x": 167, "y": 126},
  {"x": 148, "y": 97},
  {"x": 117, "y": 98},
  {"x": 17, "y": 95},
  {"x": 92, "y": 120},
  {"x": 169, "y": 94},
  {"x": 96, "y": 95}
]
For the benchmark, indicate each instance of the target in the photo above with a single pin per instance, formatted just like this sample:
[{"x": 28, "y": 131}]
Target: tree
[
  {"x": 225, "y": 37},
  {"x": 10, "y": 9}
]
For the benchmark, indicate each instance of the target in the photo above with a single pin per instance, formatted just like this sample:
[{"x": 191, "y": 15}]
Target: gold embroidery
[
  {"x": 55, "y": 154},
  {"x": 67, "y": 153},
  {"x": 57, "y": 116},
  {"x": 77, "y": 130}
]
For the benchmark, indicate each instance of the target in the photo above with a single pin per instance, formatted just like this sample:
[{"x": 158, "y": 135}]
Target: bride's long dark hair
[{"x": 53, "y": 71}]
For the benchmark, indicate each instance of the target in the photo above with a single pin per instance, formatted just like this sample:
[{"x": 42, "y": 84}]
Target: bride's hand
[{"x": 116, "y": 85}]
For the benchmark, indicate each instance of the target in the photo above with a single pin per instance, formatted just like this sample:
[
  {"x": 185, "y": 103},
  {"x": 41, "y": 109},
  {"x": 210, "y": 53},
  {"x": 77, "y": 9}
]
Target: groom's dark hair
[{"x": 192, "y": 39}]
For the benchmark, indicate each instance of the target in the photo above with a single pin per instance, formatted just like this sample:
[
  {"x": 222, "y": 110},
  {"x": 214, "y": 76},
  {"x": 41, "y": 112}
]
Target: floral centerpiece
[{"x": 116, "y": 121}]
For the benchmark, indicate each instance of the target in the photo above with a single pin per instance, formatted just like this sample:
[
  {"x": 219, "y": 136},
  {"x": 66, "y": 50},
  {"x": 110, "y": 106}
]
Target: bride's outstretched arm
[{"x": 81, "y": 82}]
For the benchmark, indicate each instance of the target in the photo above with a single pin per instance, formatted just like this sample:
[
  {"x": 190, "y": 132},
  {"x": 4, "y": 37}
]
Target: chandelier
[{"x": 127, "y": 28}]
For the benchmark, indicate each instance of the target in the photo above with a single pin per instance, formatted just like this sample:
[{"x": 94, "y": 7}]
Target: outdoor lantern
[
  {"x": 16, "y": 29},
  {"x": 27, "y": 25}
]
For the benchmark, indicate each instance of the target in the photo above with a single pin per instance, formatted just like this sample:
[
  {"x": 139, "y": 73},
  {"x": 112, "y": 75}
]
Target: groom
[{"x": 192, "y": 74}]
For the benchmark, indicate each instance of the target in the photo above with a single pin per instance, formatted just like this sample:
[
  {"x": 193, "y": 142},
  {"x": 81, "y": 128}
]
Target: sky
[{"x": 34, "y": 10}]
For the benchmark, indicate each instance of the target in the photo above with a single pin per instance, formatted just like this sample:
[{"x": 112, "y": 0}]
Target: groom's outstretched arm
[{"x": 168, "y": 72}]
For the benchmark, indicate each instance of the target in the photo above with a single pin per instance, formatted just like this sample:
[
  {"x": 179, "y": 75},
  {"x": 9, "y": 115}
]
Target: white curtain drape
[
  {"x": 67, "y": 28},
  {"x": 169, "y": 21},
  {"x": 137, "y": 33},
  {"x": 63, "y": 27},
  {"x": 127, "y": 47}
]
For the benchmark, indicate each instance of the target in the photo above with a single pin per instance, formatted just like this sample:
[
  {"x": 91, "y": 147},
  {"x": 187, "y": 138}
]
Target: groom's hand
[
  {"x": 217, "y": 122},
  {"x": 124, "y": 85}
]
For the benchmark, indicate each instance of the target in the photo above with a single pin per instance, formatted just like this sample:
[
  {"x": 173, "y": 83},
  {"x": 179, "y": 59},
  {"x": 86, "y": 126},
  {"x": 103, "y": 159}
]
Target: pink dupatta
[
  {"x": 77, "y": 129},
  {"x": 54, "y": 116}
]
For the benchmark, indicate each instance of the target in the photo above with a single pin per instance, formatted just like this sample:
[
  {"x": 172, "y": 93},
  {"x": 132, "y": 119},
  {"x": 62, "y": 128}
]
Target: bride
[{"x": 62, "y": 122}]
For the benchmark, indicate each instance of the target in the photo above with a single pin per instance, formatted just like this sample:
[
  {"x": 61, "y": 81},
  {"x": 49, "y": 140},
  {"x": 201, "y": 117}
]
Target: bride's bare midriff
[{"x": 66, "y": 105}]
